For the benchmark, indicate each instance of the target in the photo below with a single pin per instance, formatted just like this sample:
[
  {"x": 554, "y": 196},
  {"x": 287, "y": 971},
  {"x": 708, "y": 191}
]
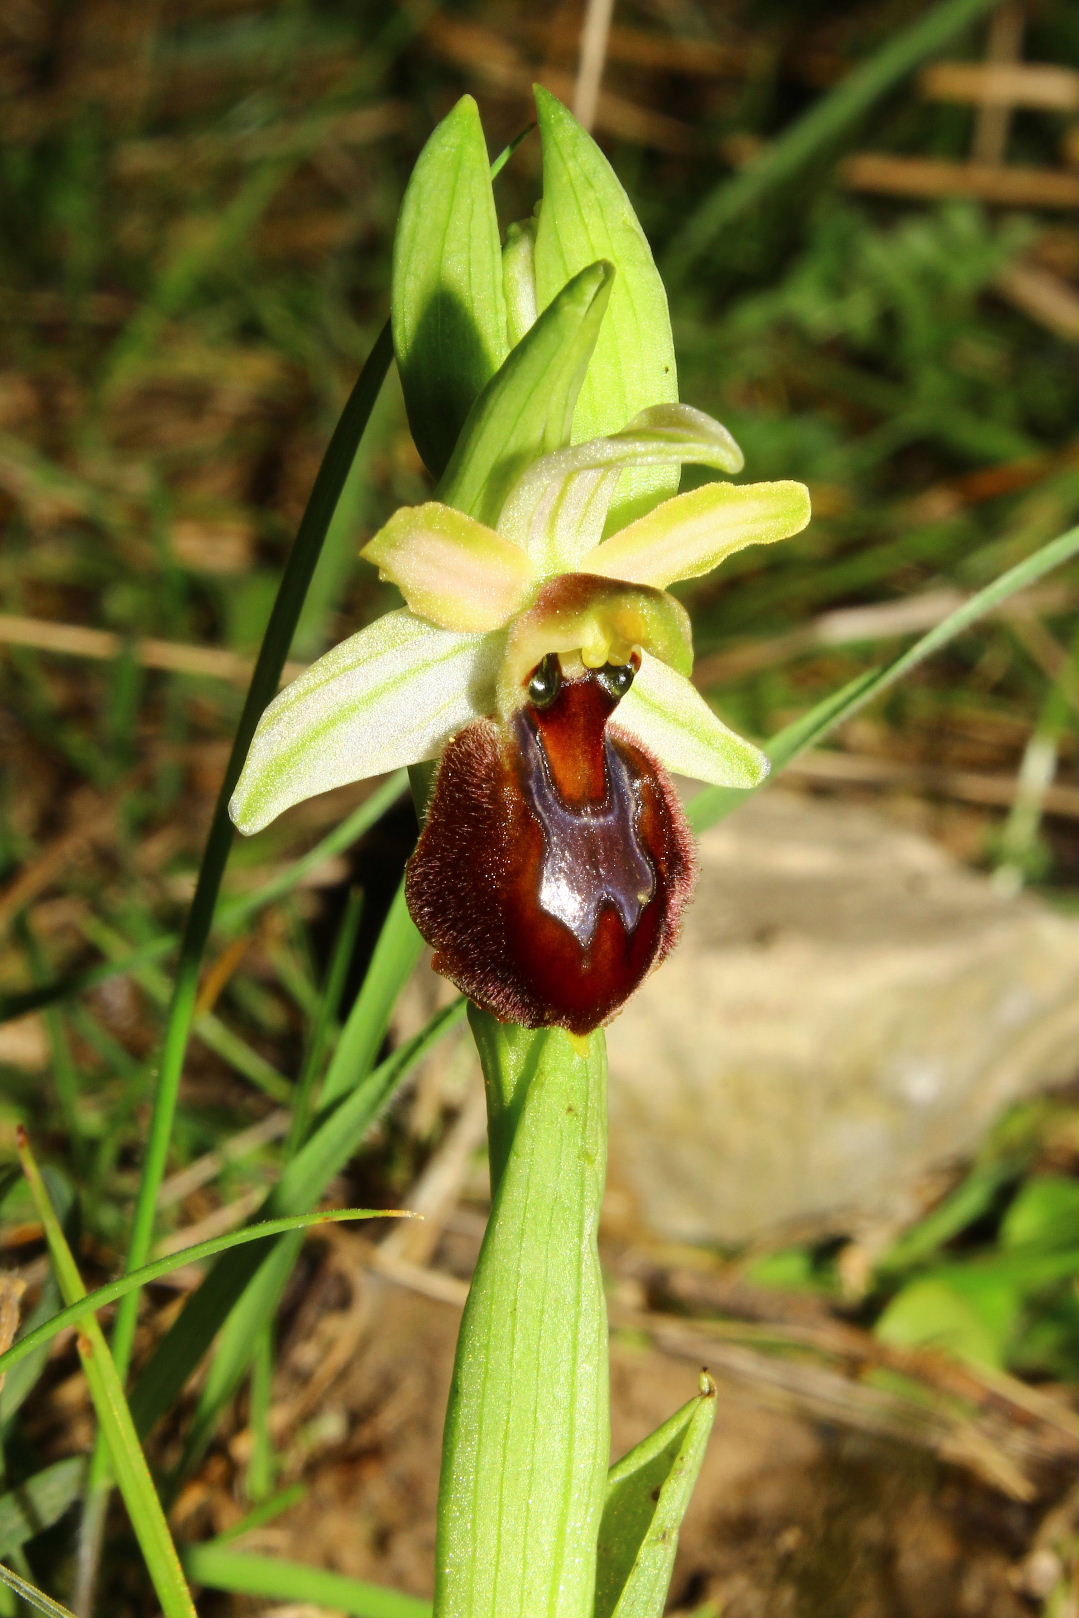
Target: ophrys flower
[{"x": 556, "y": 860}]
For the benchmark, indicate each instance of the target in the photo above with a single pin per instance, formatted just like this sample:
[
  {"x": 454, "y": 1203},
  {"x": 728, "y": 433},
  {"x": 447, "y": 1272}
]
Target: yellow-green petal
[
  {"x": 452, "y": 570},
  {"x": 393, "y": 694},
  {"x": 694, "y": 532},
  {"x": 668, "y": 714}
]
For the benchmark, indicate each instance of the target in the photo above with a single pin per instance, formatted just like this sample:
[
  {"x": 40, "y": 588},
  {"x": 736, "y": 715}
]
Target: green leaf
[
  {"x": 222, "y": 1568},
  {"x": 447, "y": 302},
  {"x": 585, "y": 215},
  {"x": 527, "y": 1435},
  {"x": 39, "y": 1501},
  {"x": 1044, "y": 1214},
  {"x": 519, "y": 278},
  {"x": 526, "y": 410},
  {"x": 648, "y": 1492},
  {"x": 933, "y": 1313}
]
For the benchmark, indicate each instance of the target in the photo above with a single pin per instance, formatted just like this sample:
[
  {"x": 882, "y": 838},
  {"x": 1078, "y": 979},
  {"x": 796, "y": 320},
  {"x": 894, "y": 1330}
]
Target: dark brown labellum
[{"x": 556, "y": 860}]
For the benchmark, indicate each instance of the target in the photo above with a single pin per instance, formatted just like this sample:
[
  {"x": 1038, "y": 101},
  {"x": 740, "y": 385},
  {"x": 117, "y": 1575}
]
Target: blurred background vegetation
[{"x": 864, "y": 215}]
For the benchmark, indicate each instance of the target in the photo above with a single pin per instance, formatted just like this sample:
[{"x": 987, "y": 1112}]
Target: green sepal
[
  {"x": 648, "y": 1492},
  {"x": 585, "y": 215},
  {"x": 448, "y": 306},
  {"x": 526, "y": 410}
]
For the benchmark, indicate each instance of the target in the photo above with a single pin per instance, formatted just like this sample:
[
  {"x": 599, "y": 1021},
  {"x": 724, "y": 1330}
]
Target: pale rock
[{"x": 847, "y": 1010}]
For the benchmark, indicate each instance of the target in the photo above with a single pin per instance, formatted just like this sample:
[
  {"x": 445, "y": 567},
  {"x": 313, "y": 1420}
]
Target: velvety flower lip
[{"x": 485, "y": 604}]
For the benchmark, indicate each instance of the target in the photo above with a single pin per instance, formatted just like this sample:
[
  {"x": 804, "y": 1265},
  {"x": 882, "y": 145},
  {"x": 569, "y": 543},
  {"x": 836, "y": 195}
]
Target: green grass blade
[
  {"x": 91, "y": 1302},
  {"x": 284, "y": 616},
  {"x": 317, "y": 1162},
  {"x": 32, "y": 1595},
  {"x": 106, "y": 1390},
  {"x": 338, "y": 1133},
  {"x": 323, "y": 1023},
  {"x": 206, "y": 1026},
  {"x": 714, "y": 803},
  {"x": 395, "y": 955},
  {"x": 648, "y": 1492},
  {"x": 816, "y": 130},
  {"x": 222, "y": 1568},
  {"x": 263, "y": 1287},
  {"x": 265, "y": 1512}
]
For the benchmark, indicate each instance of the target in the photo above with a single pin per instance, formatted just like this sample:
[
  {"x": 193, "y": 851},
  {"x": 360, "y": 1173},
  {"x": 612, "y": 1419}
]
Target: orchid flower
[{"x": 556, "y": 860}]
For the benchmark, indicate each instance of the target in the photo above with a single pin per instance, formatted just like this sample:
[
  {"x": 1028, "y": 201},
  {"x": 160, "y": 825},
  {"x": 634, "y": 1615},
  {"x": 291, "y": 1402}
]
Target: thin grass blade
[
  {"x": 106, "y": 1390},
  {"x": 39, "y": 1501},
  {"x": 222, "y": 1568},
  {"x": 91, "y": 1302},
  {"x": 32, "y": 1595},
  {"x": 829, "y": 118},
  {"x": 710, "y": 806},
  {"x": 337, "y": 1135}
]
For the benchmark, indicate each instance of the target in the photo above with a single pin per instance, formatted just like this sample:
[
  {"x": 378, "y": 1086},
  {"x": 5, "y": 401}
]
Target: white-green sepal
[
  {"x": 665, "y": 712},
  {"x": 394, "y": 694}
]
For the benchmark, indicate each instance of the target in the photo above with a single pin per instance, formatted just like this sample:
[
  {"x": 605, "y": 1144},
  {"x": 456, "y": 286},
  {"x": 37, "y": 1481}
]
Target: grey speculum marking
[{"x": 593, "y": 855}]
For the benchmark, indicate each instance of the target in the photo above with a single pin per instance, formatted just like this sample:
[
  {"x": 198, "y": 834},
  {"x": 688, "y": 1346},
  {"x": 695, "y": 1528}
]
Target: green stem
[{"x": 527, "y": 1428}]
